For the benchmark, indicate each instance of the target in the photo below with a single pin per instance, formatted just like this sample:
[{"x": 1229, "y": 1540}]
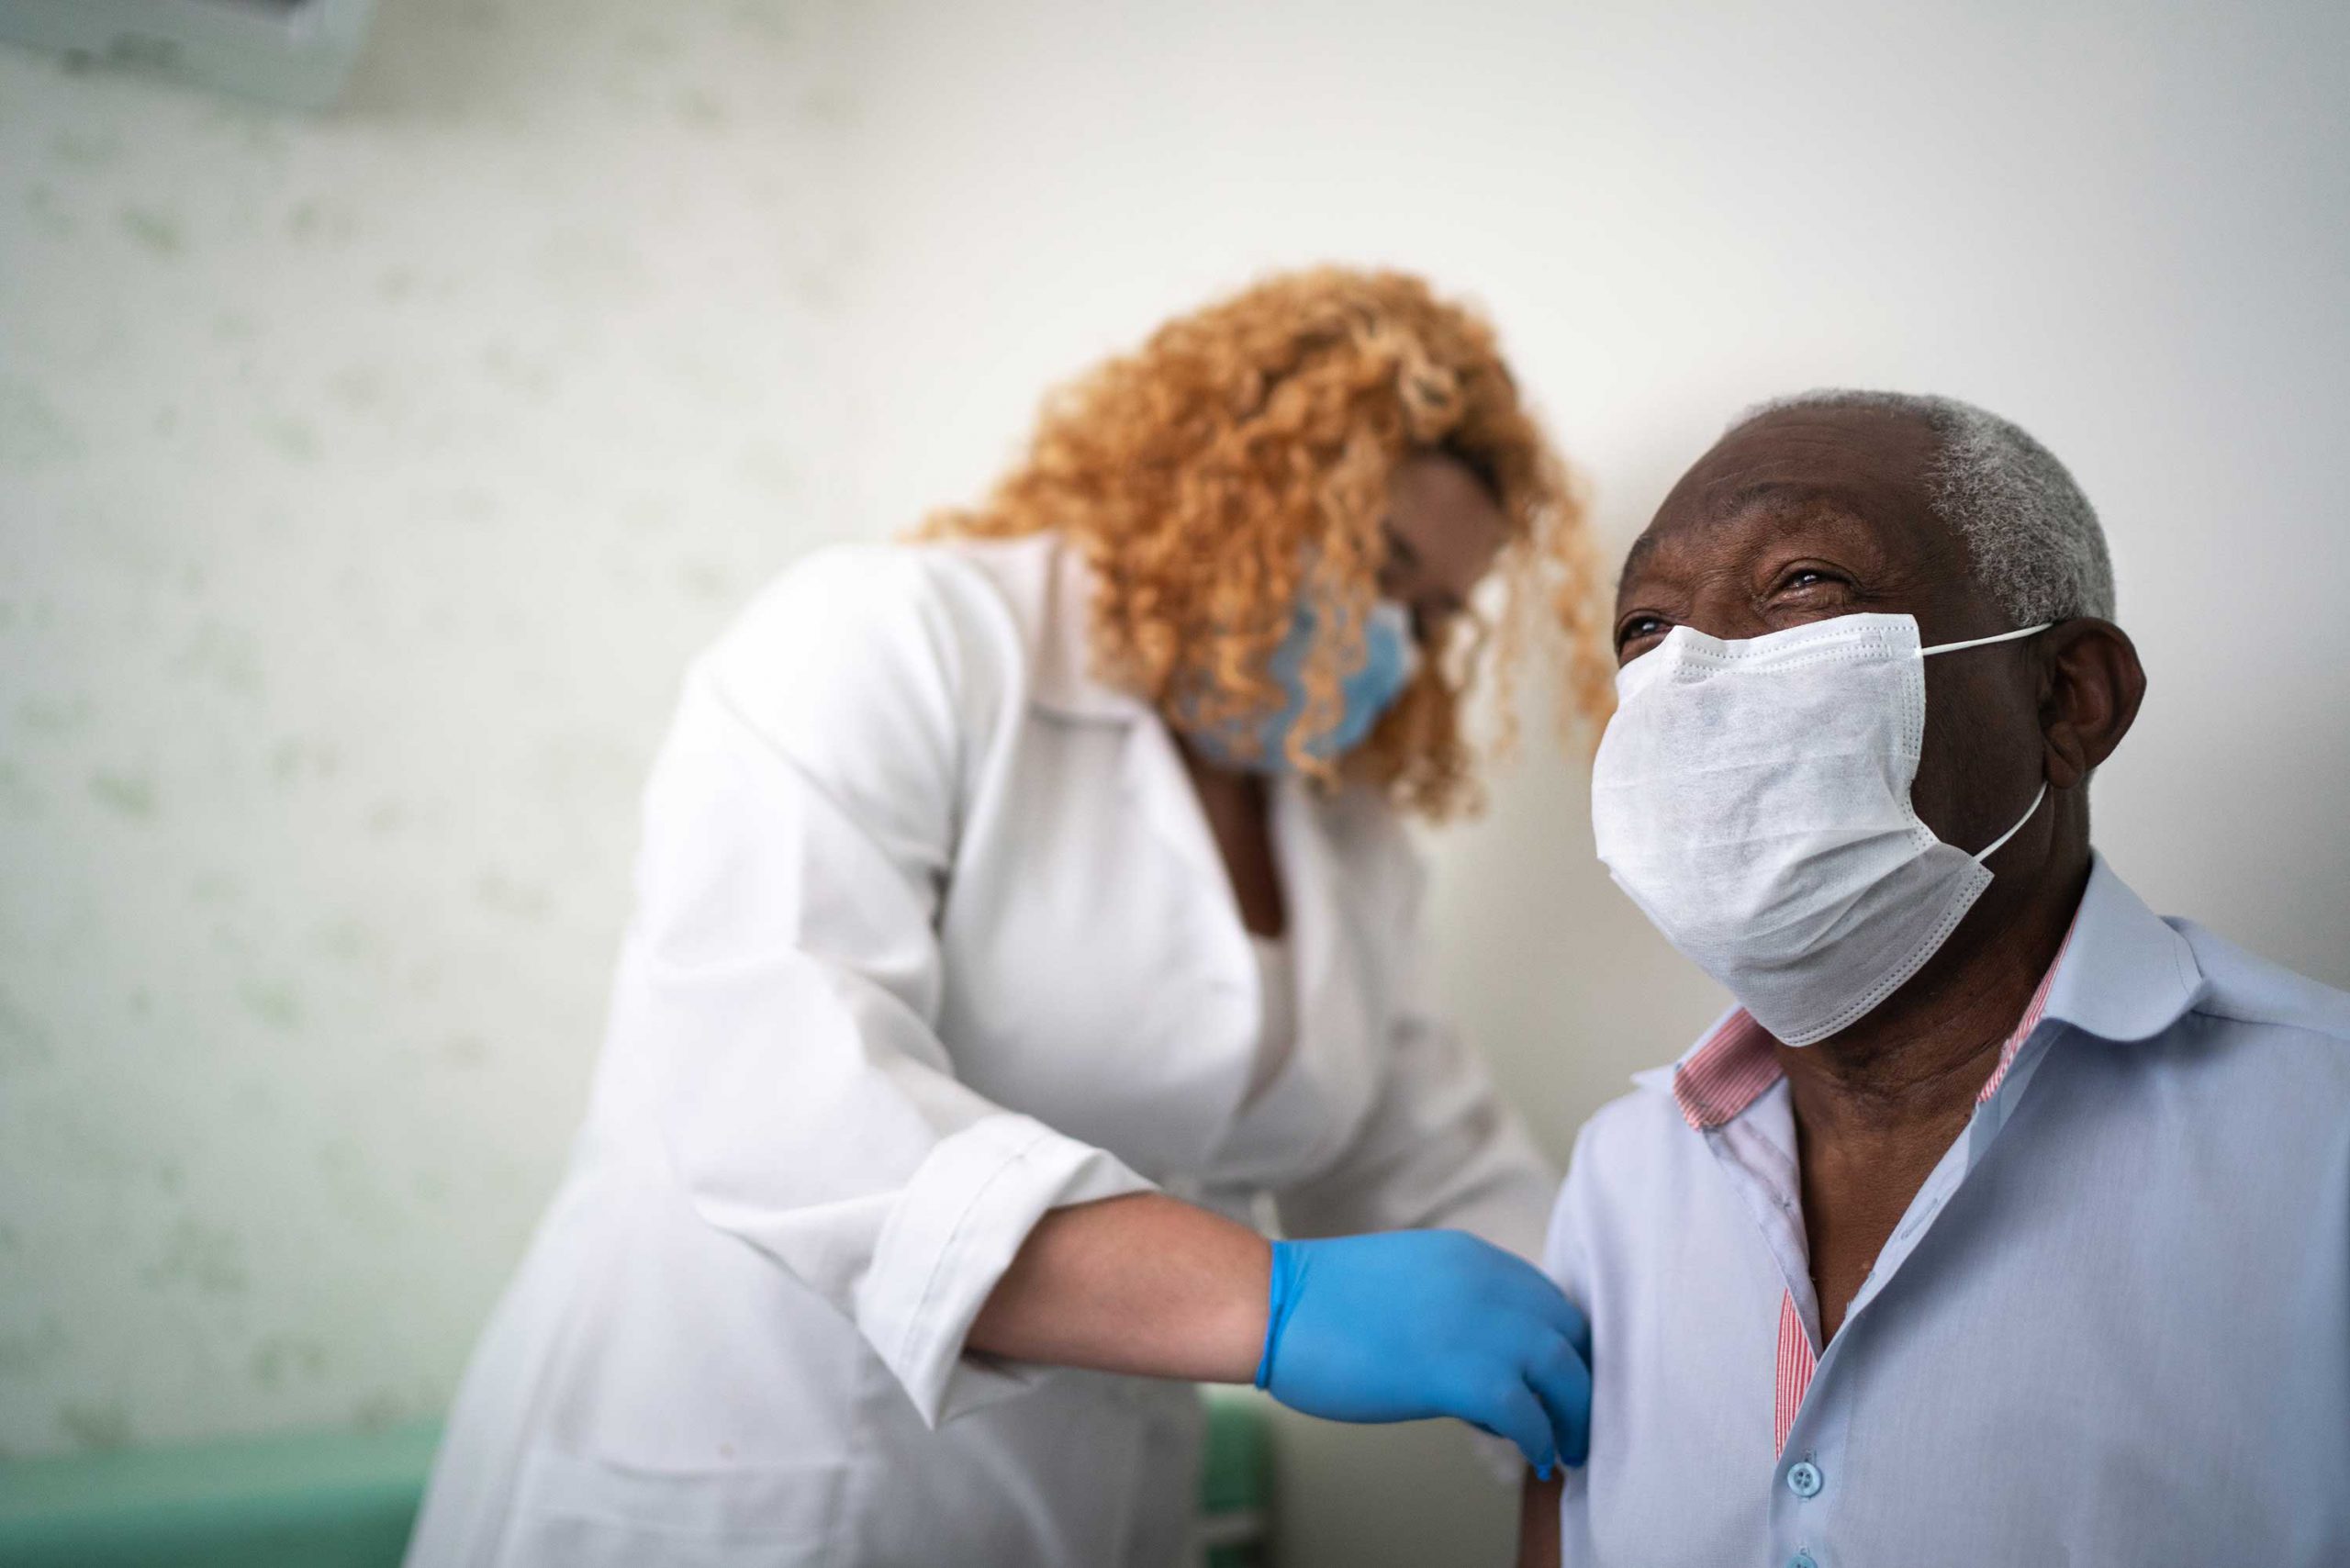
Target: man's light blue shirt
[{"x": 2112, "y": 1329}]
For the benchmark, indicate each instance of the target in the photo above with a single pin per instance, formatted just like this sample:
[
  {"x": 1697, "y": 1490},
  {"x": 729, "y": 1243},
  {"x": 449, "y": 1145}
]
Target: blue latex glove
[{"x": 1410, "y": 1324}]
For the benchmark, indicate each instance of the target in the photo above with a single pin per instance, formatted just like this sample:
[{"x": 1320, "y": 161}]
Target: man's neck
[
  {"x": 1877, "y": 1106},
  {"x": 1930, "y": 1047}
]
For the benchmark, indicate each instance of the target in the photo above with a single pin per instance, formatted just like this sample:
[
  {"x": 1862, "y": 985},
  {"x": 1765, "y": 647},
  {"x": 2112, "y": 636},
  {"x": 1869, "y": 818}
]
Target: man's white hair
[{"x": 2032, "y": 537}]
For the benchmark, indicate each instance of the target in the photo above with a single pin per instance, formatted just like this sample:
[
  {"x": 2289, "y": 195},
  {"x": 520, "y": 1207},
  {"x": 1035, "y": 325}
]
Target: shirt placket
[
  {"x": 1808, "y": 1484},
  {"x": 1814, "y": 1391},
  {"x": 1756, "y": 1150}
]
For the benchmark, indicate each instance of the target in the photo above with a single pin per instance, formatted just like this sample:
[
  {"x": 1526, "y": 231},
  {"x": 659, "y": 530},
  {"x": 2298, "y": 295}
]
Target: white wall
[
  {"x": 2126, "y": 226},
  {"x": 364, "y": 483}
]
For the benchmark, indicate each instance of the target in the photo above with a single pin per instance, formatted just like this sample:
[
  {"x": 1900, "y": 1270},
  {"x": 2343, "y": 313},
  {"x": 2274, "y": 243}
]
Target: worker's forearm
[
  {"x": 1538, "y": 1523},
  {"x": 1144, "y": 1283}
]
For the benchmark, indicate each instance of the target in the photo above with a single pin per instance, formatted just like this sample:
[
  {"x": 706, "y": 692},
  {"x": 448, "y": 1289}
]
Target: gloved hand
[{"x": 1410, "y": 1324}]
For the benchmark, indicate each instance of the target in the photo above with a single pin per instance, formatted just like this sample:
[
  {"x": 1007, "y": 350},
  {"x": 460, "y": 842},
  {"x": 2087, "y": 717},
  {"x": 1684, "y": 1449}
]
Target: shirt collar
[
  {"x": 2121, "y": 974},
  {"x": 1724, "y": 1072},
  {"x": 2128, "y": 975}
]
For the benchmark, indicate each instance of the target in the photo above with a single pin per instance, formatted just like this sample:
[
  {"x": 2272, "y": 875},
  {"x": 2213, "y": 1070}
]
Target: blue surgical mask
[{"x": 1391, "y": 658}]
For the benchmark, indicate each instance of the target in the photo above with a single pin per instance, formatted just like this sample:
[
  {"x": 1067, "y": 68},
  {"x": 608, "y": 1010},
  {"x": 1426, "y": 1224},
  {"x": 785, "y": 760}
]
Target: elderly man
[{"x": 2002, "y": 1222}]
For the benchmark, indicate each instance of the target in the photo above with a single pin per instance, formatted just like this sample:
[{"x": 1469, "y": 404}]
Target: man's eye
[
  {"x": 1801, "y": 577},
  {"x": 1639, "y": 627}
]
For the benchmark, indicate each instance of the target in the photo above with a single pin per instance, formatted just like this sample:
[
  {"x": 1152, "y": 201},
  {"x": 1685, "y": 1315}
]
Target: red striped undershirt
[{"x": 1729, "y": 1071}]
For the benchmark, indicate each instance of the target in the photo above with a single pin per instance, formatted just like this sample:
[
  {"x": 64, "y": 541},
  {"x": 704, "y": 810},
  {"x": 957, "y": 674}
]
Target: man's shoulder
[
  {"x": 2193, "y": 1002},
  {"x": 2255, "y": 1046},
  {"x": 2240, "y": 987},
  {"x": 1633, "y": 1159},
  {"x": 1645, "y": 1118}
]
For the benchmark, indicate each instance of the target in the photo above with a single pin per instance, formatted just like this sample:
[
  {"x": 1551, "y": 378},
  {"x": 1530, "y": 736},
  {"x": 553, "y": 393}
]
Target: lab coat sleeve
[
  {"x": 781, "y": 982},
  {"x": 1437, "y": 1149}
]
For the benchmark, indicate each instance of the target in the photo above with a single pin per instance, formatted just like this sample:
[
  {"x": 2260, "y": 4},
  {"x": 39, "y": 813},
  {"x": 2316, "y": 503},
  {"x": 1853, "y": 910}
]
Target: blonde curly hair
[{"x": 1241, "y": 459}]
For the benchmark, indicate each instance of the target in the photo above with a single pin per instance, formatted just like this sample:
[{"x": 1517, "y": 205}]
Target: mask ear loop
[
  {"x": 2027, "y": 813},
  {"x": 1986, "y": 642},
  {"x": 1986, "y": 854}
]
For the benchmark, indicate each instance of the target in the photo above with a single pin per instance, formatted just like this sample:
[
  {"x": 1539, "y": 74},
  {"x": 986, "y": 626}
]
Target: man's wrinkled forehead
[{"x": 1857, "y": 474}]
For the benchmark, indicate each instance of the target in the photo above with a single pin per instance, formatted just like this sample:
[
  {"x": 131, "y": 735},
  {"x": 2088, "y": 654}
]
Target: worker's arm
[
  {"x": 1397, "y": 1325},
  {"x": 1144, "y": 1283},
  {"x": 1538, "y": 1523}
]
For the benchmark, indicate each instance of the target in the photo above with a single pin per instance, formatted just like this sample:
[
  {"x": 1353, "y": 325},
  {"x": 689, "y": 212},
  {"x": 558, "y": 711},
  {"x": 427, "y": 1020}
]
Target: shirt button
[
  {"x": 1804, "y": 1479},
  {"x": 1801, "y": 1560}
]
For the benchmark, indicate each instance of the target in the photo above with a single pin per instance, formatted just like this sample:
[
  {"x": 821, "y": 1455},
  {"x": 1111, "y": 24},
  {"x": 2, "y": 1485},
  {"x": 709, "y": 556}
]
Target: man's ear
[{"x": 2094, "y": 684}]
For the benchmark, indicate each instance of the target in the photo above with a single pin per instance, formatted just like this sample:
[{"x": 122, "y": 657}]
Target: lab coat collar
[
  {"x": 1062, "y": 681},
  {"x": 1048, "y": 587}
]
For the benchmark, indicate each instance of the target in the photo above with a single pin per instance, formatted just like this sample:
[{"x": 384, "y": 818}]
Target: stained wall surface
[{"x": 365, "y": 482}]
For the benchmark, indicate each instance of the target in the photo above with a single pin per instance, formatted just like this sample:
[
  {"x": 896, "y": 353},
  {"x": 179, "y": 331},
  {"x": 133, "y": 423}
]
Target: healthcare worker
[{"x": 1016, "y": 909}]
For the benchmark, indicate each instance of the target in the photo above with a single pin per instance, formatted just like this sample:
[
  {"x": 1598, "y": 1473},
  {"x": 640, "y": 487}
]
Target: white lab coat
[{"x": 930, "y": 936}]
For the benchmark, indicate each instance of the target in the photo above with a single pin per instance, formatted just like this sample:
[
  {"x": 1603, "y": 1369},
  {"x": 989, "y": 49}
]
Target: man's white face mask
[{"x": 1754, "y": 798}]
